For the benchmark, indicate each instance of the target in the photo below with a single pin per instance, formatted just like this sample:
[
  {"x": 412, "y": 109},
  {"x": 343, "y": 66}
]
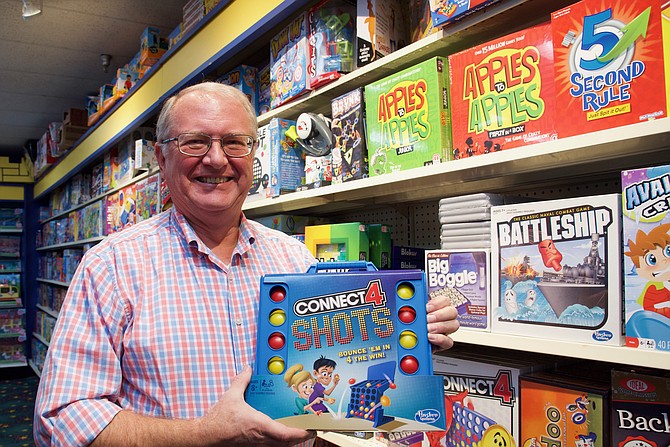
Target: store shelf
[
  {"x": 93, "y": 240},
  {"x": 525, "y": 168},
  {"x": 41, "y": 339},
  {"x": 47, "y": 311},
  {"x": 54, "y": 282},
  {"x": 11, "y": 230},
  {"x": 35, "y": 368},
  {"x": 613, "y": 354},
  {"x": 15, "y": 364}
]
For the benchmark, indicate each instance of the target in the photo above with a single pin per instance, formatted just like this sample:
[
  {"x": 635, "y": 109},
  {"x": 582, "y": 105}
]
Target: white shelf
[
  {"x": 53, "y": 282},
  {"x": 35, "y": 368},
  {"x": 613, "y": 354},
  {"x": 47, "y": 311},
  {"x": 11, "y": 230},
  {"x": 93, "y": 240},
  {"x": 41, "y": 339},
  {"x": 16, "y": 364}
]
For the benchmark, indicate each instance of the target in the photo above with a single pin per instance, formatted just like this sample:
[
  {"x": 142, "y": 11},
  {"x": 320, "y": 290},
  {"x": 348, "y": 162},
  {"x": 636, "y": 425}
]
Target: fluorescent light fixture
[{"x": 31, "y": 8}]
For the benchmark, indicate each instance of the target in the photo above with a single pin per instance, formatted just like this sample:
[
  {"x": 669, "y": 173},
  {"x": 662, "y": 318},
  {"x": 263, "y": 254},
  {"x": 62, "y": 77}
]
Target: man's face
[
  {"x": 204, "y": 188},
  {"x": 324, "y": 375}
]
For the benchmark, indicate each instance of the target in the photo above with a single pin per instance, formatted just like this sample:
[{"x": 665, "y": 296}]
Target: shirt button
[{"x": 238, "y": 322}]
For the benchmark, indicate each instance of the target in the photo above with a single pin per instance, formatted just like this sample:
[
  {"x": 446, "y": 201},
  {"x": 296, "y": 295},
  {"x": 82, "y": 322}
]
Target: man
[{"x": 155, "y": 338}]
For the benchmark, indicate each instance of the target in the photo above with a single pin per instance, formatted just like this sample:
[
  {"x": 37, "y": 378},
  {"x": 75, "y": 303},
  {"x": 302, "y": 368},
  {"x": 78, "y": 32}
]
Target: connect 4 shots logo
[{"x": 608, "y": 64}]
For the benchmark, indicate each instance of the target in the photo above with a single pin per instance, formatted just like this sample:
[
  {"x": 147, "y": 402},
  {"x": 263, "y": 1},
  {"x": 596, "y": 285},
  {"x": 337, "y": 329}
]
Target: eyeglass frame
[{"x": 251, "y": 145}]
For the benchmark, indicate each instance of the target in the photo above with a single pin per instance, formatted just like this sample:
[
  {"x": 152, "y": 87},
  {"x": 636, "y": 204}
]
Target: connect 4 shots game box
[
  {"x": 646, "y": 239},
  {"x": 608, "y": 60},
  {"x": 503, "y": 91},
  {"x": 556, "y": 269},
  {"x": 463, "y": 276},
  {"x": 344, "y": 347},
  {"x": 407, "y": 118}
]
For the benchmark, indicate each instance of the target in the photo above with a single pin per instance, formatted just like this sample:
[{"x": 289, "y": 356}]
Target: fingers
[{"x": 442, "y": 322}]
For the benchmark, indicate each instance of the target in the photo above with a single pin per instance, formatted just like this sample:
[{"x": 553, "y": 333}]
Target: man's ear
[{"x": 159, "y": 156}]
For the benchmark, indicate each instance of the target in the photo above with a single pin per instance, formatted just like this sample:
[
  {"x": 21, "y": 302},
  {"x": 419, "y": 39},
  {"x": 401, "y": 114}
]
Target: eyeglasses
[{"x": 198, "y": 144}]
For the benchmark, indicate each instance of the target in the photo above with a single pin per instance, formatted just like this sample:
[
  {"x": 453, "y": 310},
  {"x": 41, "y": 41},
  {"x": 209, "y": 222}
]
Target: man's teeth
[{"x": 214, "y": 180}]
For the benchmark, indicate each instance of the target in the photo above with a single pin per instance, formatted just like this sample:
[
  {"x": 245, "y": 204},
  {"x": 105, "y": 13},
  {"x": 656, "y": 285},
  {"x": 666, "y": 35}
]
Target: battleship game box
[
  {"x": 640, "y": 402},
  {"x": 344, "y": 347},
  {"x": 407, "y": 118},
  {"x": 504, "y": 92},
  {"x": 646, "y": 248},
  {"x": 463, "y": 276},
  {"x": 556, "y": 269},
  {"x": 608, "y": 65}
]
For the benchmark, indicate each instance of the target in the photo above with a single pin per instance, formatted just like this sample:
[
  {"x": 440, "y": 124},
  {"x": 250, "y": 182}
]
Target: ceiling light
[{"x": 31, "y": 8}]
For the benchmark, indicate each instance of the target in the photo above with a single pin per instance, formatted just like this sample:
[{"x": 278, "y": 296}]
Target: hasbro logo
[
  {"x": 602, "y": 335},
  {"x": 427, "y": 416}
]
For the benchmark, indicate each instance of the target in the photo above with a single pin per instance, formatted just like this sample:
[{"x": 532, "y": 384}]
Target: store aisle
[{"x": 17, "y": 401}]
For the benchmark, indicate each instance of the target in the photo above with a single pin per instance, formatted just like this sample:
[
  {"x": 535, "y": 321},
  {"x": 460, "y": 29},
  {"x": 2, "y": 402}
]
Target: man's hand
[{"x": 441, "y": 322}]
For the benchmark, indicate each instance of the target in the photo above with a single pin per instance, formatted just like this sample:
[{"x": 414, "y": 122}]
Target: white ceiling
[{"x": 51, "y": 62}]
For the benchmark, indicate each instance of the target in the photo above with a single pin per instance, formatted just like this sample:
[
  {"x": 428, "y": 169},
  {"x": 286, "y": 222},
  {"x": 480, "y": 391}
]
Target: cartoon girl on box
[{"x": 301, "y": 382}]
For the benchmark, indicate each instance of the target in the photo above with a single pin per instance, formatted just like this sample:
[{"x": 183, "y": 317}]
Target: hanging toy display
[{"x": 312, "y": 133}]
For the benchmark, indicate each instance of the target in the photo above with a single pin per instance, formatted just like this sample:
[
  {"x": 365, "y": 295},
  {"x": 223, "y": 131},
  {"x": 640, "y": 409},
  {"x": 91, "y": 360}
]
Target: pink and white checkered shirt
[{"x": 154, "y": 322}]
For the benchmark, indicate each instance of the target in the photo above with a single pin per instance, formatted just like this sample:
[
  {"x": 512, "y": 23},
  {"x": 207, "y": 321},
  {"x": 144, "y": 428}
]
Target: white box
[
  {"x": 463, "y": 276},
  {"x": 380, "y": 29},
  {"x": 260, "y": 187},
  {"x": 556, "y": 269}
]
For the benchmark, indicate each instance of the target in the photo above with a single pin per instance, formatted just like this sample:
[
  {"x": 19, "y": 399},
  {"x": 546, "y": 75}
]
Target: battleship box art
[
  {"x": 556, "y": 269},
  {"x": 646, "y": 247}
]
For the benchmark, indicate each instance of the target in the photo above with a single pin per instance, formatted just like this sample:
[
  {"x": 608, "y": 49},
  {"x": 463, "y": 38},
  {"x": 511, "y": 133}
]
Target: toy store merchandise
[
  {"x": 564, "y": 410},
  {"x": 332, "y": 29},
  {"x": 338, "y": 242},
  {"x": 260, "y": 186},
  {"x": 466, "y": 221},
  {"x": 244, "y": 78},
  {"x": 646, "y": 241},
  {"x": 287, "y": 161},
  {"x": 381, "y": 29},
  {"x": 463, "y": 276},
  {"x": 407, "y": 118},
  {"x": 444, "y": 12},
  {"x": 640, "y": 402},
  {"x": 556, "y": 269},
  {"x": 608, "y": 60},
  {"x": 289, "y": 51},
  {"x": 379, "y": 236},
  {"x": 350, "y": 154},
  {"x": 343, "y": 347},
  {"x": 503, "y": 92}
]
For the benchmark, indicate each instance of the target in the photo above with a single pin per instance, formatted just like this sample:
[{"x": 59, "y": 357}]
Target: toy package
[
  {"x": 381, "y": 29},
  {"x": 444, "y": 12},
  {"x": 608, "y": 59},
  {"x": 463, "y": 277},
  {"x": 407, "y": 118},
  {"x": 260, "y": 187},
  {"x": 263, "y": 86},
  {"x": 145, "y": 156},
  {"x": 350, "y": 154},
  {"x": 146, "y": 191},
  {"x": 244, "y": 78},
  {"x": 481, "y": 395},
  {"x": 646, "y": 241},
  {"x": 289, "y": 51},
  {"x": 10, "y": 289},
  {"x": 343, "y": 347},
  {"x": 407, "y": 258},
  {"x": 338, "y": 242},
  {"x": 564, "y": 410},
  {"x": 420, "y": 21},
  {"x": 152, "y": 46},
  {"x": 503, "y": 93},
  {"x": 318, "y": 171},
  {"x": 556, "y": 269},
  {"x": 332, "y": 28},
  {"x": 640, "y": 402},
  {"x": 287, "y": 162},
  {"x": 379, "y": 237}
]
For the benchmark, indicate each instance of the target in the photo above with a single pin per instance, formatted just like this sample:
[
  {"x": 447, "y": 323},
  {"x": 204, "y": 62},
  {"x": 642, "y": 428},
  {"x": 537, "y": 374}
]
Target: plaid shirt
[{"x": 154, "y": 322}]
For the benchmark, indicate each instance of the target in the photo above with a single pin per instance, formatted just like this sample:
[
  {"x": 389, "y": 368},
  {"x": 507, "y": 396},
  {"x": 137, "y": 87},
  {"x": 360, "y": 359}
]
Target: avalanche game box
[
  {"x": 556, "y": 269},
  {"x": 608, "y": 60},
  {"x": 646, "y": 242},
  {"x": 463, "y": 276},
  {"x": 407, "y": 118},
  {"x": 503, "y": 91},
  {"x": 344, "y": 347}
]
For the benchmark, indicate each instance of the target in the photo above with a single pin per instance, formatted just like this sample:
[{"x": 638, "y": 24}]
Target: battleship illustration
[{"x": 584, "y": 284}]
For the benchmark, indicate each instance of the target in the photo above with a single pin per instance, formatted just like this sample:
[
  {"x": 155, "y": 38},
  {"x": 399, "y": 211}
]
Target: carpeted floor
[{"x": 17, "y": 400}]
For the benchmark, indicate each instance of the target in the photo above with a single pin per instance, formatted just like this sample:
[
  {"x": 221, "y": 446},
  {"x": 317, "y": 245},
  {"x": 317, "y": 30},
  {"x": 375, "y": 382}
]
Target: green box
[
  {"x": 338, "y": 242},
  {"x": 407, "y": 118},
  {"x": 380, "y": 245}
]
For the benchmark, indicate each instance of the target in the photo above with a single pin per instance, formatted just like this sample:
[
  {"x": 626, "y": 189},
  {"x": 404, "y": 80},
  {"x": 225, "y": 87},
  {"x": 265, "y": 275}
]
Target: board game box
[
  {"x": 260, "y": 187},
  {"x": 463, "y": 276},
  {"x": 556, "y": 269},
  {"x": 350, "y": 154},
  {"x": 344, "y": 347},
  {"x": 503, "y": 93},
  {"x": 346, "y": 241},
  {"x": 289, "y": 52},
  {"x": 287, "y": 162},
  {"x": 646, "y": 242},
  {"x": 381, "y": 29},
  {"x": 443, "y": 12},
  {"x": 407, "y": 118},
  {"x": 608, "y": 60}
]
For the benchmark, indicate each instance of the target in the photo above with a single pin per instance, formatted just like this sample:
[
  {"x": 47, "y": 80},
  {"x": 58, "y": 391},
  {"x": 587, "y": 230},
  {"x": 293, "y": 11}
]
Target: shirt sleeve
[{"x": 80, "y": 383}]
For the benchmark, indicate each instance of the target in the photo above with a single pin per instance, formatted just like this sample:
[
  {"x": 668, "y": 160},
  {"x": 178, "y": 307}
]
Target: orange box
[
  {"x": 502, "y": 93},
  {"x": 608, "y": 64}
]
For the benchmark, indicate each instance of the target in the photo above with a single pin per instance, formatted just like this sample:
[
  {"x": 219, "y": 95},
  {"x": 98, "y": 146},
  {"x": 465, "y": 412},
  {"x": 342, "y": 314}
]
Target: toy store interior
[{"x": 510, "y": 155}]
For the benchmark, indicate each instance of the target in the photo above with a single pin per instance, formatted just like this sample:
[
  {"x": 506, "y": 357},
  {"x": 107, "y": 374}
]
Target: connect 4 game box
[
  {"x": 407, "y": 118},
  {"x": 344, "y": 347},
  {"x": 503, "y": 91},
  {"x": 608, "y": 58},
  {"x": 646, "y": 239},
  {"x": 556, "y": 269}
]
